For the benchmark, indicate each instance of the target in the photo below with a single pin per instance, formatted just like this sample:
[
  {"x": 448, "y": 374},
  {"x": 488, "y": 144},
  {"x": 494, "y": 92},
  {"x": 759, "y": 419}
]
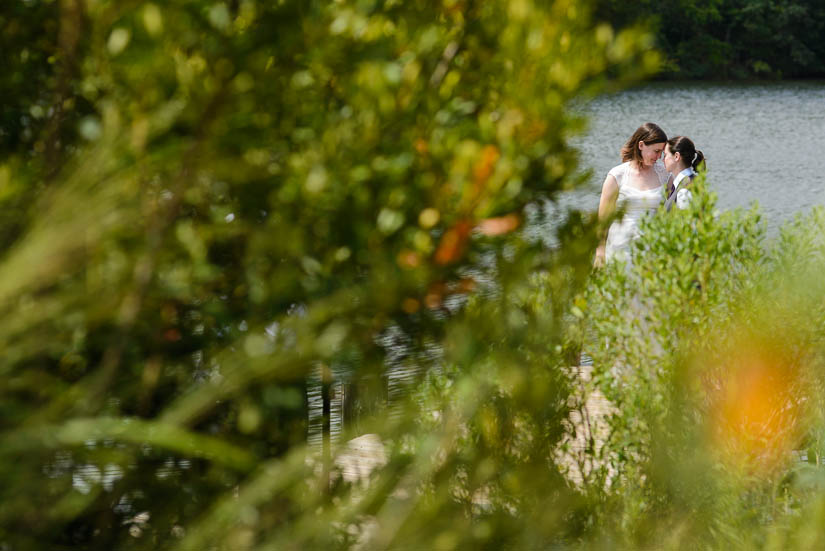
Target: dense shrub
[{"x": 708, "y": 347}]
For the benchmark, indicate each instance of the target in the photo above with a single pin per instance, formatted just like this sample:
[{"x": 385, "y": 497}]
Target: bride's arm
[{"x": 607, "y": 205}]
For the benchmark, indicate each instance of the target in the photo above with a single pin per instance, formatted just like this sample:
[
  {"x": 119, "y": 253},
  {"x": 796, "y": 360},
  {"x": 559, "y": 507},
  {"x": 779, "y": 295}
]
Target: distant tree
[{"x": 737, "y": 39}]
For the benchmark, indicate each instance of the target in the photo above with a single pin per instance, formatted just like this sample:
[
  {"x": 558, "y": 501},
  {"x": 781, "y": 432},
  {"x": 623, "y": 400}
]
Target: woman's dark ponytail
[
  {"x": 684, "y": 147},
  {"x": 698, "y": 161}
]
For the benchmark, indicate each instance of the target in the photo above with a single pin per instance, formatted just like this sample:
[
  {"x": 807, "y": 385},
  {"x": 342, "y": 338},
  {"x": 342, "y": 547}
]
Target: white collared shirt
[{"x": 683, "y": 195}]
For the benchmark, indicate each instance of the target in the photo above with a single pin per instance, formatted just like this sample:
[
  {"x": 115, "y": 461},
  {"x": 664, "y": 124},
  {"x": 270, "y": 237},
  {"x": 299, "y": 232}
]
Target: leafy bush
[
  {"x": 708, "y": 347},
  {"x": 688, "y": 271}
]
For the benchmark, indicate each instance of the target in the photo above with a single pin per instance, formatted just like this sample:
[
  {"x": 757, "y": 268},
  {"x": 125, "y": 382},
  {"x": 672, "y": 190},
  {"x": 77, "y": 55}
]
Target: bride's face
[{"x": 651, "y": 153}]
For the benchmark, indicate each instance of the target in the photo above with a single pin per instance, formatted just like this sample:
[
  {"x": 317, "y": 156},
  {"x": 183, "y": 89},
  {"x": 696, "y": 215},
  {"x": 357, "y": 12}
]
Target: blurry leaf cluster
[{"x": 213, "y": 212}]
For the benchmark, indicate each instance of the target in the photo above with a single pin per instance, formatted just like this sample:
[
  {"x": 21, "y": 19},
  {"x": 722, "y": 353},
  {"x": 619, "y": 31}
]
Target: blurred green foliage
[
  {"x": 209, "y": 206},
  {"x": 211, "y": 211}
]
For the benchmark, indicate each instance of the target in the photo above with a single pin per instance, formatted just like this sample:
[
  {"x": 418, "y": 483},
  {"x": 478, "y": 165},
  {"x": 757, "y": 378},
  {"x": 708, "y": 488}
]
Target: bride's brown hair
[{"x": 648, "y": 133}]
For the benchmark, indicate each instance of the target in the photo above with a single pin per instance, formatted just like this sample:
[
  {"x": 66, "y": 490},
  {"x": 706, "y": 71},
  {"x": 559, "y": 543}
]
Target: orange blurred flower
[{"x": 756, "y": 408}]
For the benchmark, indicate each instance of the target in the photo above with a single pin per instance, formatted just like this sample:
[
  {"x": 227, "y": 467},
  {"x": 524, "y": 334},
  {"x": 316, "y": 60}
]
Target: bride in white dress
[{"x": 635, "y": 187}]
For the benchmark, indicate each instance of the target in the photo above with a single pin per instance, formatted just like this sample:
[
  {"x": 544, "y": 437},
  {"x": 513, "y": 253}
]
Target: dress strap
[{"x": 619, "y": 173}]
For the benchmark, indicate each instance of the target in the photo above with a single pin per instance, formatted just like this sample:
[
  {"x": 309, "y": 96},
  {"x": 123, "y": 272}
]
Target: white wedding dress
[{"x": 635, "y": 203}]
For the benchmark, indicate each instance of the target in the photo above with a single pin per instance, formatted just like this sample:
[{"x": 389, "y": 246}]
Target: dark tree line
[{"x": 731, "y": 39}]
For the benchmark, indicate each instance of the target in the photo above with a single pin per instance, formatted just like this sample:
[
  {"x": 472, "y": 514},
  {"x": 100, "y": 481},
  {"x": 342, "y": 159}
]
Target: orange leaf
[
  {"x": 453, "y": 243},
  {"x": 484, "y": 167},
  {"x": 499, "y": 225}
]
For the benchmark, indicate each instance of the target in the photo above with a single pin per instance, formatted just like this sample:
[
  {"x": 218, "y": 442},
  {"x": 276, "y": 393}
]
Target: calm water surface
[{"x": 763, "y": 142}]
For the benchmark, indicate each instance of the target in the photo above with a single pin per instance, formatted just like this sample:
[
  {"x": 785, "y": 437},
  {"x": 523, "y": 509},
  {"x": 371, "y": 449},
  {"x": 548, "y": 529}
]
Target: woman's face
[
  {"x": 672, "y": 160},
  {"x": 651, "y": 153}
]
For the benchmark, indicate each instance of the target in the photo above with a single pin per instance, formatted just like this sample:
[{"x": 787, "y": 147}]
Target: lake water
[{"x": 763, "y": 142}]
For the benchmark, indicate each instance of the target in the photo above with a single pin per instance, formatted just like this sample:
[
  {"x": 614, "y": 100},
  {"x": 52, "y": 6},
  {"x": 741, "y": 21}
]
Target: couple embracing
[{"x": 654, "y": 169}]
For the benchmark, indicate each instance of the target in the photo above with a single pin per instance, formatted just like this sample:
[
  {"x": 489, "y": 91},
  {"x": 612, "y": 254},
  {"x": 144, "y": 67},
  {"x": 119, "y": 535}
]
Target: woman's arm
[{"x": 607, "y": 205}]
